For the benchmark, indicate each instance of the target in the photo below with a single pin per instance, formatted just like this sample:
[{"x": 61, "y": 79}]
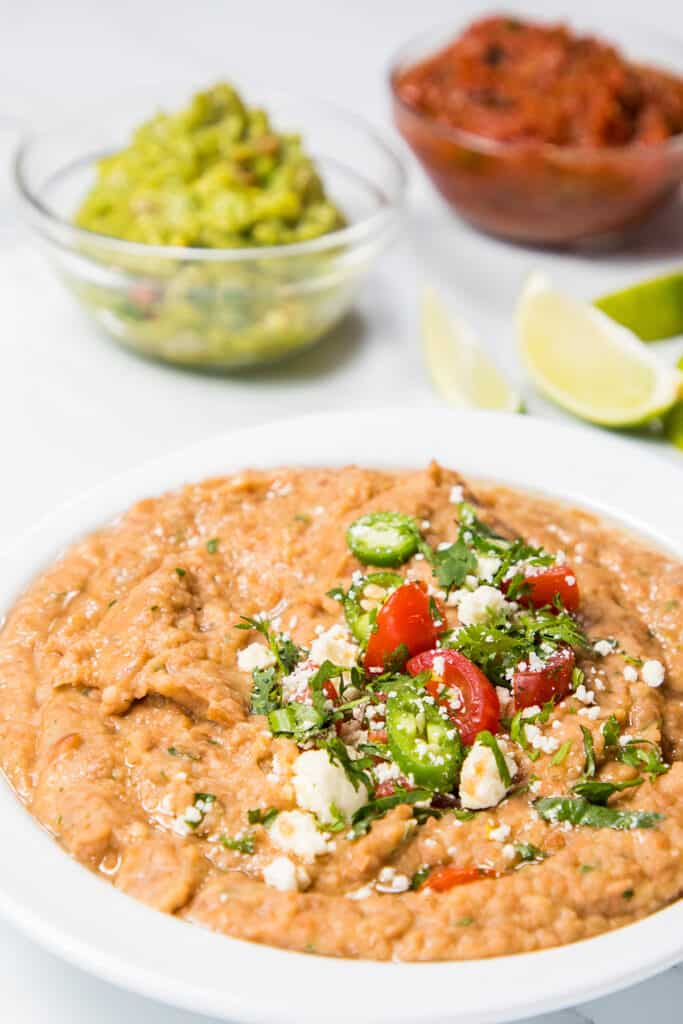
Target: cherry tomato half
[
  {"x": 447, "y": 877},
  {"x": 405, "y": 619},
  {"x": 542, "y": 588},
  {"x": 480, "y": 707},
  {"x": 554, "y": 679}
]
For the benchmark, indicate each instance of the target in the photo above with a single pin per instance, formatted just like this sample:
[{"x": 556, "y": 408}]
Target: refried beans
[{"x": 450, "y": 725}]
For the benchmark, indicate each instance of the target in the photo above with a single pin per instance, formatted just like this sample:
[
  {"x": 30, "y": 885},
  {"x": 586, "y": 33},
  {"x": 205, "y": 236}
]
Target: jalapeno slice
[
  {"x": 422, "y": 743},
  {"x": 383, "y": 538},
  {"x": 363, "y": 600}
]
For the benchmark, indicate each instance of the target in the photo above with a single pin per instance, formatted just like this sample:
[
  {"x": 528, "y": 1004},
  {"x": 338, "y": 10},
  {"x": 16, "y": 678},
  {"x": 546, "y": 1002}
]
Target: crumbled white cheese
[
  {"x": 360, "y": 894},
  {"x": 388, "y": 880},
  {"x": 456, "y": 495},
  {"x": 504, "y": 697},
  {"x": 604, "y": 647},
  {"x": 333, "y": 645},
  {"x": 509, "y": 851},
  {"x": 294, "y": 685},
  {"x": 592, "y": 713},
  {"x": 487, "y": 566},
  {"x": 652, "y": 673},
  {"x": 584, "y": 695},
  {"x": 475, "y": 606},
  {"x": 438, "y": 667},
  {"x": 255, "y": 656},
  {"x": 480, "y": 782},
  {"x": 319, "y": 784},
  {"x": 500, "y": 834},
  {"x": 296, "y": 832},
  {"x": 630, "y": 674},
  {"x": 283, "y": 874}
]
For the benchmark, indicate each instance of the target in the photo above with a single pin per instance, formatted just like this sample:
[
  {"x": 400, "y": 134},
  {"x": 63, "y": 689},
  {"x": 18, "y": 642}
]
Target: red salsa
[{"x": 508, "y": 80}]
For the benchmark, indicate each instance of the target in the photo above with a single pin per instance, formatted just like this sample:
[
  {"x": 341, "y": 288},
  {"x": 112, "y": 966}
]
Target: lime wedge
[
  {"x": 652, "y": 309},
  {"x": 591, "y": 366},
  {"x": 461, "y": 371},
  {"x": 673, "y": 425}
]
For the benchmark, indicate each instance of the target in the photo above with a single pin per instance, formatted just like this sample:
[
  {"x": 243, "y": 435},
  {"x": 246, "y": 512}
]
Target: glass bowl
[
  {"x": 530, "y": 191},
  {"x": 215, "y": 308}
]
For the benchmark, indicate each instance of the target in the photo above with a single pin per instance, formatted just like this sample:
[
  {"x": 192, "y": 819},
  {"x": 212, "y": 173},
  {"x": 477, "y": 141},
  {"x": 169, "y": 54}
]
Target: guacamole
[{"x": 214, "y": 175}]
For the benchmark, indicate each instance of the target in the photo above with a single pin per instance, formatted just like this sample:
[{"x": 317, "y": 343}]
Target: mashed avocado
[{"x": 215, "y": 175}]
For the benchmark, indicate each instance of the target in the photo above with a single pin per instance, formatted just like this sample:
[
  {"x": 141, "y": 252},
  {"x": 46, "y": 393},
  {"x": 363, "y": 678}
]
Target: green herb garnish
[
  {"x": 561, "y": 755},
  {"x": 245, "y": 844},
  {"x": 589, "y": 766},
  {"x": 579, "y": 811},
  {"x": 176, "y": 752},
  {"x": 529, "y": 854},
  {"x": 375, "y": 809},
  {"x": 487, "y": 739},
  {"x": 212, "y": 545},
  {"x": 257, "y": 816}
]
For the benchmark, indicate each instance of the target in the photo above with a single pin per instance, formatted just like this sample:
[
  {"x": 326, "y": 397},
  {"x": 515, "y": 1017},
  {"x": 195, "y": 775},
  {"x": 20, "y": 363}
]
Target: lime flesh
[
  {"x": 460, "y": 370},
  {"x": 592, "y": 367}
]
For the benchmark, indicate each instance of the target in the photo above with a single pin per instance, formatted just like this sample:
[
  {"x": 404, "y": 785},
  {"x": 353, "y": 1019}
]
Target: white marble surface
[{"x": 78, "y": 409}]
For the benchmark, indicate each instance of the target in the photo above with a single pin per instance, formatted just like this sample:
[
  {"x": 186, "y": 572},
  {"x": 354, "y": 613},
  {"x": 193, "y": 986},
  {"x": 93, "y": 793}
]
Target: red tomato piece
[
  {"x": 543, "y": 587},
  {"x": 377, "y": 736},
  {"x": 389, "y": 787},
  {"x": 447, "y": 877},
  {"x": 480, "y": 707},
  {"x": 405, "y": 619},
  {"x": 330, "y": 691},
  {"x": 553, "y": 680}
]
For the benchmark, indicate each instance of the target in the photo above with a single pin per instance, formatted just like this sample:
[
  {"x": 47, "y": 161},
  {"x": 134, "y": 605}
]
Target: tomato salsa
[
  {"x": 536, "y": 133},
  {"x": 507, "y": 79}
]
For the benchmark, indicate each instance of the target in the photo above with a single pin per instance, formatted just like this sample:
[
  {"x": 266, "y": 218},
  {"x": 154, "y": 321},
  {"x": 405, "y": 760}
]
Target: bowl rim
[
  {"x": 450, "y": 31},
  {"x": 389, "y": 207},
  {"x": 89, "y": 923}
]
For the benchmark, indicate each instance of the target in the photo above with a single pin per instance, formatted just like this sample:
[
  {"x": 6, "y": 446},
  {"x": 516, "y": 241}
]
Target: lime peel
[{"x": 652, "y": 309}]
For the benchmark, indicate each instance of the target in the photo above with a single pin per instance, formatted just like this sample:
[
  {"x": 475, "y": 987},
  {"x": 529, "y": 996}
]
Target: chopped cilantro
[
  {"x": 180, "y": 572},
  {"x": 375, "y": 809},
  {"x": 600, "y": 792},
  {"x": 589, "y": 765},
  {"x": 245, "y": 844},
  {"x": 579, "y": 811},
  {"x": 452, "y": 564},
  {"x": 561, "y": 755},
  {"x": 176, "y": 752},
  {"x": 487, "y": 739},
  {"x": 611, "y": 731},
  {"x": 212, "y": 545},
  {"x": 420, "y": 876},
  {"x": 645, "y": 755},
  {"x": 499, "y": 643},
  {"x": 257, "y": 816},
  {"x": 530, "y": 854}
]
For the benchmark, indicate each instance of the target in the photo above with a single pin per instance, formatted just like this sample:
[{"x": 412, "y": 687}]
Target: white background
[{"x": 74, "y": 409}]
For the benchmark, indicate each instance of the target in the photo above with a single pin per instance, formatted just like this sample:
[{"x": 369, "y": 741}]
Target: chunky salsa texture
[
  {"x": 214, "y": 175},
  {"x": 513, "y": 80}
]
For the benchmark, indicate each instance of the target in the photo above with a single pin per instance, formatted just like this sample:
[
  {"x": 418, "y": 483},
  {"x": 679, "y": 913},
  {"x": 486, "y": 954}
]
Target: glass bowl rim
[
  {"x": 496, "y": 147},
  {"x": 348, "y": 236}
]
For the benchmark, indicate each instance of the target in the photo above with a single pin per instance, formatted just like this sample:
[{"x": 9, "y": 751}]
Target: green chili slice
[
  {"x": 426, "y": 747},
  {"x": 383, "y": 538},
  {"x": 361, "y": 620}
]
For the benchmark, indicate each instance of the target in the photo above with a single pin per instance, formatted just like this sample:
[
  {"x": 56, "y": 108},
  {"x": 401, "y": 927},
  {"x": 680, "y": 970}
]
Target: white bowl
[{"x": 86, "y": 921}]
